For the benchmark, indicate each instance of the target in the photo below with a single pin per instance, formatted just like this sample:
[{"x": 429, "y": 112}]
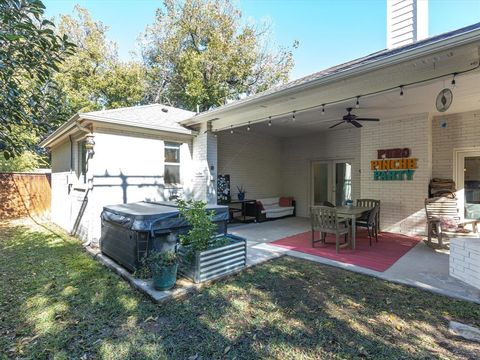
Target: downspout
[
  {"x": 71, "y": 152},
  {"x": 89, "y": 181}
]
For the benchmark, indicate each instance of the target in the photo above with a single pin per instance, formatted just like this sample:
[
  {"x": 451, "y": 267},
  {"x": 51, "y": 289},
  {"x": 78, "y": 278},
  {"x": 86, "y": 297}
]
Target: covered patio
[
  {"x": 420, "y": 266},
  {"x": 301, "y": 141}
]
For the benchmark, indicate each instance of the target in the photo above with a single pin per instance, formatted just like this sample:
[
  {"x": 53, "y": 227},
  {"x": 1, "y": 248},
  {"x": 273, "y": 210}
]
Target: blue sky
[{"x": 329, "y": 32}]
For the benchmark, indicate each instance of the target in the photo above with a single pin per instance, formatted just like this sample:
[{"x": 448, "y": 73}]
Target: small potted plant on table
[
  {"x": 204, "y": 255},
  {"x": 241, "y": 193}
]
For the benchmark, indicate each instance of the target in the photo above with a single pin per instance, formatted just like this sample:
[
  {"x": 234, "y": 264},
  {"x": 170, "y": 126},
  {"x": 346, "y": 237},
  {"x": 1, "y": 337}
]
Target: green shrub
[
  {"x": 154, "y": 262},
  {"x": 202, "y": 228}
]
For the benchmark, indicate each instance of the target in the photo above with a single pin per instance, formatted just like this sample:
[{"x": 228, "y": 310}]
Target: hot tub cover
[{"x": 154, "y": 216}]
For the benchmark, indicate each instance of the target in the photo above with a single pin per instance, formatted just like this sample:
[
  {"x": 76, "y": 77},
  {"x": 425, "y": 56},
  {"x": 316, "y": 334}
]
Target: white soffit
[
  {"x": 455, "y": 60},
  {"x": 388, "y": 106}
]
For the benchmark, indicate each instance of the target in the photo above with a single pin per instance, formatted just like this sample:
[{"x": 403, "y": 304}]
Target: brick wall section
[
  {"x": 23, "y": 194},
  {"x": 299, "y": 152},
  {"x": 464, "y": 260},
  {"x": 204, "y": 175},
  {"x": 460, "y": 131},
  {"x": 402, "y": 202},
  {"x": 253, "y": 161}
]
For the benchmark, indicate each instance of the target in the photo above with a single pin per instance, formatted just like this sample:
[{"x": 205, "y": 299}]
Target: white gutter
[
  {"x": 112, "y": 120},
  {"x": 74, "y": 123},
  {"x": 62, "y": 130},
  {"x": 407, "y": 55}
]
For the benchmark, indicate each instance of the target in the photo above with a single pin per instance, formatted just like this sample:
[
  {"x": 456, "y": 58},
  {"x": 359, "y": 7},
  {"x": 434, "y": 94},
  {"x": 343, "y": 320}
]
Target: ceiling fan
[{"x": 353, "y": 119}]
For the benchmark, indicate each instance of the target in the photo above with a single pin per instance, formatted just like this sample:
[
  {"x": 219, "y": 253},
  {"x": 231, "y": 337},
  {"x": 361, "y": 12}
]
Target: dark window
[{"x": 172, "y": 163}]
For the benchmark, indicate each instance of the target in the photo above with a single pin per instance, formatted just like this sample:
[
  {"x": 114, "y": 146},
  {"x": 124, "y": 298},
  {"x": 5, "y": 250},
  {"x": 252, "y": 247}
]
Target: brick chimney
[{"x": 407, "y": 22}]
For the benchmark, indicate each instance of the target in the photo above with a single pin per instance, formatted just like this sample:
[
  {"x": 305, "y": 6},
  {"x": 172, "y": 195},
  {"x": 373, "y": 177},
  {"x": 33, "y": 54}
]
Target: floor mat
[{"x": 379, "y": 257}]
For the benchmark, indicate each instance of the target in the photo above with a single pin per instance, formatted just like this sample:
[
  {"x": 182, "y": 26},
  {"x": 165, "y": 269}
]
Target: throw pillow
[{"x": 285, "y": 201}]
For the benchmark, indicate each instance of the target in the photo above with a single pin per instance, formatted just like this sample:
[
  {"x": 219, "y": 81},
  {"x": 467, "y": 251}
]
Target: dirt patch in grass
[{"x": 56, "y": 301}]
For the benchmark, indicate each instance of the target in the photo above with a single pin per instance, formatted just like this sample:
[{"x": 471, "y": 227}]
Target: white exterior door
[
  {"x": 331, "y": 180},
  {"x": 467, "y": 180}
]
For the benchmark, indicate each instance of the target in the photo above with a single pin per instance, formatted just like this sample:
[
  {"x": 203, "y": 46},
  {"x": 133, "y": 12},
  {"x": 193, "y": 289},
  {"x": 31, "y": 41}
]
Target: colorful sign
[{"x": 393, "y": 164}]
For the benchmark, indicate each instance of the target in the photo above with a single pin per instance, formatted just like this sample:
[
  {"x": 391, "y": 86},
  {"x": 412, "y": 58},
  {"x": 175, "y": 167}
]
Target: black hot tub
[{"x": 129, "y": 230}]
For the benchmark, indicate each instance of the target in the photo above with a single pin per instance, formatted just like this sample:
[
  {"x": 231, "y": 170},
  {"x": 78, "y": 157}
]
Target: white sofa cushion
[
  {"x": 269, "y": 202},
  {"x": 278, "y": 212}
]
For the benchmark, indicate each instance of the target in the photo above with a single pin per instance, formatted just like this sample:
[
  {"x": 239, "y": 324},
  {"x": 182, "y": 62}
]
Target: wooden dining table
[{"x": 352, "y": 213}]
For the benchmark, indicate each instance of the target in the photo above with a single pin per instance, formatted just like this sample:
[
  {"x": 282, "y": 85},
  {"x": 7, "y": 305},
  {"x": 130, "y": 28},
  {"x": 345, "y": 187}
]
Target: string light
[
  {"x": 293, "y": 115},
  {"x": 248, "y": 126},
  {"x": 231, "y": 130},
  {"x": 357, "y": 103}
]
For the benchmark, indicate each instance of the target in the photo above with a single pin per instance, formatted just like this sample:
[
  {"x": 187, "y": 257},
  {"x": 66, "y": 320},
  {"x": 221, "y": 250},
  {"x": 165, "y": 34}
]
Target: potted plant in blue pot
[
  {"x": 241, "y": 192},
  {"x": 162, "y": 267}
]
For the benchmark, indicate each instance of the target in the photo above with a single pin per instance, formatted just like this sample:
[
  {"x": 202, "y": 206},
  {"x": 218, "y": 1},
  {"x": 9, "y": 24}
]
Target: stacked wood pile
[
  {"x": 24, "y": 194},
  {"x": 442, "y": 187}
]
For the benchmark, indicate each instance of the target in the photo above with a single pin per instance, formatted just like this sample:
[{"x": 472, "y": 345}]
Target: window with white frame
[
  {"x": 82, "y": 161},
  {"x": 172, "y": 163}
]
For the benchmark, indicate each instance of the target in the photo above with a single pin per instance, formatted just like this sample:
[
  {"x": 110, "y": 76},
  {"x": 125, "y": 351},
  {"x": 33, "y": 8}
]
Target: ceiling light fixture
[
  {"x": 453, "y": 80},
  {"x": 357, "y": 104}
]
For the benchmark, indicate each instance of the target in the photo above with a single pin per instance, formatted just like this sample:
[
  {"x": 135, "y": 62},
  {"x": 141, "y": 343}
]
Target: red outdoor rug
[{"x": 379, "y": 257}]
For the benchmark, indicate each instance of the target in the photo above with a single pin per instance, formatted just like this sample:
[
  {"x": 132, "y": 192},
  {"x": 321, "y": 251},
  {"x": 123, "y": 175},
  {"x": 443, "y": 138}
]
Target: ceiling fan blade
[
  {"x": 331, "y": 127},
  {"x": 356, "y": 124},
  {"x": 367, "y": 119}
]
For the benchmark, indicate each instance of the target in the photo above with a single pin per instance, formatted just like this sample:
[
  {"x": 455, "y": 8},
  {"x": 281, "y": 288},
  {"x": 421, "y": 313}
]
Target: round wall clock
[{"x": 444, "y": 100}]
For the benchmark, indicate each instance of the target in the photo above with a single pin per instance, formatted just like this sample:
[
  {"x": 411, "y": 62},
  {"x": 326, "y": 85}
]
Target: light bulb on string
[
  {"x": 323, "y": 109},
  {"x": 401, "y": 91},
  {"x": 357, "y": 104},
  {"x": 293, "y": 115},
  {"x": 248, "y": 126},
  {"x": 269, "y": 121}
]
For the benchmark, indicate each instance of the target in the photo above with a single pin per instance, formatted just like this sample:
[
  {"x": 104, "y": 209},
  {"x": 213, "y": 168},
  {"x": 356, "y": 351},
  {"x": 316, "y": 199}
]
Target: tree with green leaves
[
  {"x": 200, "y": 52},
  {"x": 30, "y": 54},
  {"x": 93, "y": 77}
]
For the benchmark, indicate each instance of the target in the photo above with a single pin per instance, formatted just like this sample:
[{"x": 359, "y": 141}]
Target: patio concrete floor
[{"x": 421, "y": 267}]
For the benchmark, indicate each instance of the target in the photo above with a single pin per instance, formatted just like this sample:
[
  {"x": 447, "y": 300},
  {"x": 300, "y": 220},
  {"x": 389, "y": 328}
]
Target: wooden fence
[{"x": 24, "y": 194}]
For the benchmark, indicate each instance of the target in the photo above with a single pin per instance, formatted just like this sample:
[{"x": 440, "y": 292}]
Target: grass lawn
[{"x": 58, "y": 302}]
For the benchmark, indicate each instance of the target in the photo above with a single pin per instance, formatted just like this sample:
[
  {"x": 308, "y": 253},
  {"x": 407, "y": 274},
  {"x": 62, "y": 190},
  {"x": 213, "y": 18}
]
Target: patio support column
[{"x": 205, "y": 163}]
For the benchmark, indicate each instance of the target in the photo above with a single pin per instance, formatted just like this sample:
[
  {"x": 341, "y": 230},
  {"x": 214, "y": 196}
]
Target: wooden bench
[{"x": 440, "y": 210}]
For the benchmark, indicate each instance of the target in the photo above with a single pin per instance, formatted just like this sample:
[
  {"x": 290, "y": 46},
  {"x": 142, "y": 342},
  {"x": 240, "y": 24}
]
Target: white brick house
[{"x": 272, "y": 154}]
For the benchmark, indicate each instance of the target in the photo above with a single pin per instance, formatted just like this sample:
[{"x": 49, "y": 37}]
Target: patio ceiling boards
[{"x": 445, "y": 54}]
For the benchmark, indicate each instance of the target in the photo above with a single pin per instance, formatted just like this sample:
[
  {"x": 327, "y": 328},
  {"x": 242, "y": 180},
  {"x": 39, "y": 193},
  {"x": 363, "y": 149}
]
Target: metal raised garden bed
[{"x": 214, "y": 263}]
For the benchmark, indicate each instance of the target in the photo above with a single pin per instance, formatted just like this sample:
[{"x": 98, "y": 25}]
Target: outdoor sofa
[{"x": 271, "y": 208}]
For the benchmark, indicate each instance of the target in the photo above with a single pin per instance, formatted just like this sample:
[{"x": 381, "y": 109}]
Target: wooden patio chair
[
  {"x": 325, "y": 220},
  {"x": 370, "y": 223},
  {"x": 371, "y": 203},
  {"x": 326, "y": 203},
  {"x": 443, "y": 219}
]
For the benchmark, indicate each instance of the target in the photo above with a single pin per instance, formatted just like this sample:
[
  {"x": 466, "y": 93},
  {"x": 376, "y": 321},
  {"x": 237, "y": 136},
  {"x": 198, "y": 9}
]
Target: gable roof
[
  {"x": 154, "y": 117},
  {"x": 350, "y": 66}
]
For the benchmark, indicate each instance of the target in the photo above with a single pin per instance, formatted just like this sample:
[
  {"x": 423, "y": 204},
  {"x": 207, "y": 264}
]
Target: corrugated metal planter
[{"x": 214, "y": 263}]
